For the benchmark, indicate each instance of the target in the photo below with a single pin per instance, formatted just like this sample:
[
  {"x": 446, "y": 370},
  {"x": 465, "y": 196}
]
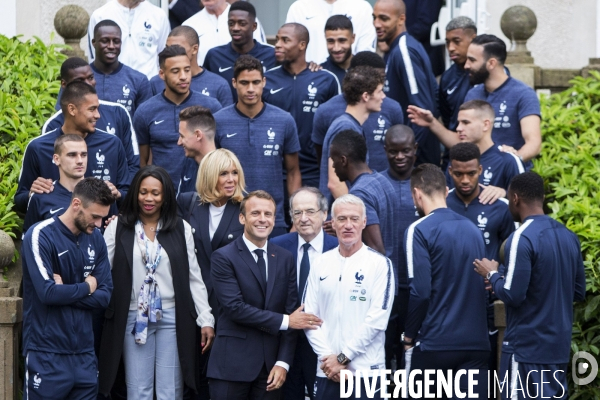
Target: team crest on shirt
[
  {"x": 126, "y": 91},
  {"x": 359, "y": 278},
  {"x": 205, "y": 92},
  {"x": 381, "y": 122},
  {"x": 482, "y": 225},
  {"x": 91, "y": 253},
  {"x": 487, "y": 176},
  {"x": 100, "y": 158},
  {"x": 271, "y": 134},
  {"x": 502, "y": 121},
  {"x": 147, "y": 26},
  {"x": 312, "y": 91},
  {"x": 110, "y": 130},
  {"x": 37, "y": 381},
  {"x": 379, "y": 132}
]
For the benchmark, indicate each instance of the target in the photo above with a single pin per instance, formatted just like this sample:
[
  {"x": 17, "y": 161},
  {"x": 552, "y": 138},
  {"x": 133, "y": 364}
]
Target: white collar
[
  {"x": 316, "y": 243},
  {"x": 251, "y": 246}
]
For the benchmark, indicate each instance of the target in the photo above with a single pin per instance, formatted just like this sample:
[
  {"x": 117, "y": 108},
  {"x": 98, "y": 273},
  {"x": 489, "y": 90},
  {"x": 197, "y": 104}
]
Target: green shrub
[
  {"x": 28, "y": 91},
  {"x": 570, "y": 165}
]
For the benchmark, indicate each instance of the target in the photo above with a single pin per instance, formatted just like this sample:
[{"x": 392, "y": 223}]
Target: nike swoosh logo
[
  {"x": 60, "y": 254},
  {"x": 55, "y": 211},
  {"x": 322, "y": 279},
  {"x": 231, "y": 134},
  {"x": 310, "y": 17},
  {"x": 185, "y": 178},
  {"x": 451, "y": 91},
  {"x": 224, "y": 69},
  {"x": 159, "y": 122},
  {"x": 275, "y": 91}
]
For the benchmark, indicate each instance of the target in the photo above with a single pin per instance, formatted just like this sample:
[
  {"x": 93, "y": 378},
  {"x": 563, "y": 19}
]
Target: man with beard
[
  {"x": 339, "y": 36},
  {"x": 517, "y": 108},
  {"x": 410, "y": 79},
  {"x": 446, "y": 328},
  {"x": 66, "y": 276},
  {"x": 157, "y": 120}
]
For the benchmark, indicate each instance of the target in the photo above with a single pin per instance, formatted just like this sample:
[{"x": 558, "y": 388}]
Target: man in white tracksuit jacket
[{"x": 351, "y": 288}]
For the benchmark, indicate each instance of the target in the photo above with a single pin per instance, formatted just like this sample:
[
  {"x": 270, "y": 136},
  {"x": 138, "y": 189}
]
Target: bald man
[
  {"x": 293, "y": 87},
  {"x": 409, "y": 75}
]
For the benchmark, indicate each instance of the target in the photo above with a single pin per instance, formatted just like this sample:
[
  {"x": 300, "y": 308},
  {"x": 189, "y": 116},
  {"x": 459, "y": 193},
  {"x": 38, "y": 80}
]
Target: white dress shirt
[
  {"x": 314, "y": 251},
  {"x": 286, "y": 318},
  {"x": 216, "y": 214}
]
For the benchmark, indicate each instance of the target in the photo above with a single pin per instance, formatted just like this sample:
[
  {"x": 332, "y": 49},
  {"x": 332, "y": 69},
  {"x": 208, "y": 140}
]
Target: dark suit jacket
[
  {"x": 250, "y": 314},
  {"x": 229, "y": 229},
  {"x": 183, "y": 10},
  {"x": 113, "y": 333},
  {"x": 289, "y": 241}
]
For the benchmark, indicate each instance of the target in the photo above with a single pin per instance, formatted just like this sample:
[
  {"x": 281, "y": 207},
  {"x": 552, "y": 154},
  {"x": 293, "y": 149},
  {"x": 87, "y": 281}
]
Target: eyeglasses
[{"x": 309, "y": 213}]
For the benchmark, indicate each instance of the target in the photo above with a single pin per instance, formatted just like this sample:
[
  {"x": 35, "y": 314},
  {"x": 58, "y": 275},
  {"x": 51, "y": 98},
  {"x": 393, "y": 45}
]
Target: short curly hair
[
  {"x": 529, "y": 186},
  {"x": 360, "y": 80},
  {"x": 247, "y": 63}
]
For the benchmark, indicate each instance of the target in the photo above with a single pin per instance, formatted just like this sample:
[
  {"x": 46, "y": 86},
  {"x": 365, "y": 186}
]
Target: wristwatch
[
  {"x": 342, "y": 359},
  {"x": 404, "y": 342},
  {"x": 489, "y": 274}
]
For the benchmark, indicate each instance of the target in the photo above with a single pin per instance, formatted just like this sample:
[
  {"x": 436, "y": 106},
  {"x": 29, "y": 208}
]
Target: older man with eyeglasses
[{"x": 308, "y": 209}]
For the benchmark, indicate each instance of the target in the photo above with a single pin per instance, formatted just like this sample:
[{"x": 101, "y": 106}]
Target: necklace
[{"x": 152, "y": 228}]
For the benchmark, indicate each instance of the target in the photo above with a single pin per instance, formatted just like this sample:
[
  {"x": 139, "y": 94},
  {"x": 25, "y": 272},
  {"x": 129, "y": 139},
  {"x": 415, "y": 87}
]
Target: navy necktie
[
  {"x": 262, "y": 265},
  {"x": 304, "y": 270}
]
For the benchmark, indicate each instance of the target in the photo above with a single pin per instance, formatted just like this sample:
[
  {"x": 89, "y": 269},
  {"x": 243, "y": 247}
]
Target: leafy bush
[
  {"x": 28, "y": 92},
  {"x": 570, "y": 166}
]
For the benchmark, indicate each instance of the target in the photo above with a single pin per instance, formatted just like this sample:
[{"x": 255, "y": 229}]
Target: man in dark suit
[
  {"x": 256, "y": 285},
  {"x": 308, "y": 209}
]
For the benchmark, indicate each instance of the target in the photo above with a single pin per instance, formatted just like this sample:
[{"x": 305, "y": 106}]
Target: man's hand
[
  {"x": 208, "y": 335},
  {"x": 92, "y": 282},
  {"x": 482, "y": 267},
  {"x": 508, "y": 149},
  {"x": 113, "y": 189},
  {"x": 490, "y": 194},
  {"x": 328, "y": 228},
  {"x": 419, "y": 116},
  {"x": 301, "y": 320},
  {"x": 331, "y": 367},
  {"x": 41, "y": 185},
  {"x": 58, "y": 279},
  {"x": 314, "y": 67},
  {"x": 276, "y": 378}
]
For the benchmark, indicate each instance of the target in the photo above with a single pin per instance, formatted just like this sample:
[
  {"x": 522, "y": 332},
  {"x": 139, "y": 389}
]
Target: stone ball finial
[
  {"x": 518, "y": 23},
  {"x": 71, "y": 22},
  {"x": 7, "y": 249}
]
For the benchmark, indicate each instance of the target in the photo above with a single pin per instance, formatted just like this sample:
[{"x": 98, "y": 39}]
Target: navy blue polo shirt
[
  {"x": 374, "y": 127},
  {"x": 189, "y": 173},
  {"x": 124, "y": 86},
  {"x": 260, "y": 143},
  {"x": 301, "y": 95},
  {"x": 454, "y": 86},
  {"x": 206, "y": 83},
  {"x": 157, "y": 125},
  {"x": 220, "y": 60}
]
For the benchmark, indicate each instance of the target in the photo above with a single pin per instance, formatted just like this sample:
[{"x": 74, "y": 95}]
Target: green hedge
[
  {"x": 570, "y": 165},
  {"x": 28, "y": 91}
]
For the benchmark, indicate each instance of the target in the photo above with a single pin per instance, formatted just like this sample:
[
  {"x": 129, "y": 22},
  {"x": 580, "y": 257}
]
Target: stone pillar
[
  {"x": 500, "y": 322},
  {"x": 71, "y": 22},
  {"x": 518, "y": 23},
  {"x": 11, "y": 316}
]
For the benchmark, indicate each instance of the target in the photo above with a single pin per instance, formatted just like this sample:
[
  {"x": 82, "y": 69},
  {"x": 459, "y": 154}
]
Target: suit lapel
[
  {"x": 231, "y": 211},
  {"x": 249, "y": 260},
  {"x": 272, "y": 267},
  {"x": 204, "y": 216}
]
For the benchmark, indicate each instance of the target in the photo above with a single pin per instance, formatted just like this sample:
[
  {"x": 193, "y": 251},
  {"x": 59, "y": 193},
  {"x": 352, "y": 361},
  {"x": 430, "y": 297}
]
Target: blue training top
[
  {"x": 544, "y": 275},
  {"x": 447, "y": 306},
  {"x": 332, "y": 67},
  {"x": 58, "y": 318},
  {"x": 410, "y": 81}
]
